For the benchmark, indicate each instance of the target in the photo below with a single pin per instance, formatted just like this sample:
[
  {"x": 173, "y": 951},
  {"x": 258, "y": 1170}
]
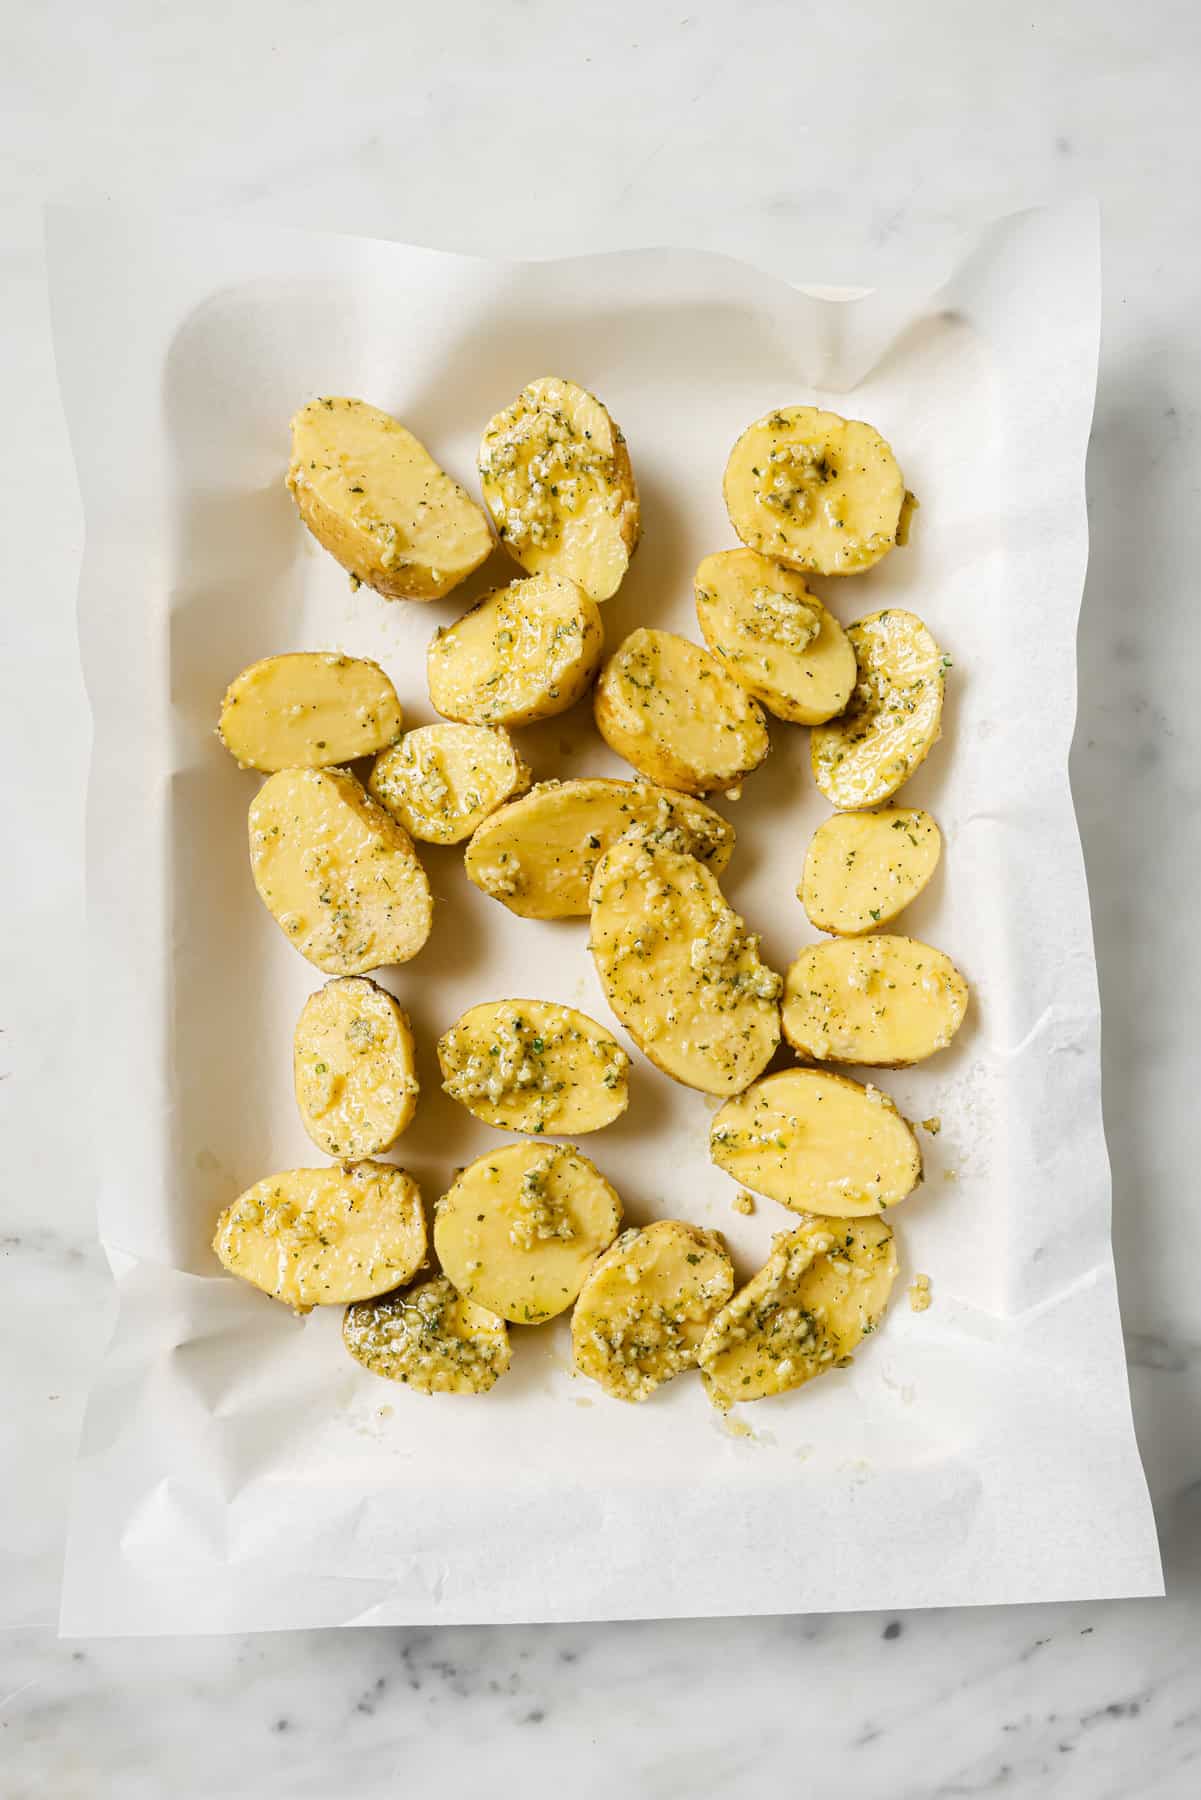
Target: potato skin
[
  {"x": 673, "y": 712},
  {"x": 429, "y": 1338}
]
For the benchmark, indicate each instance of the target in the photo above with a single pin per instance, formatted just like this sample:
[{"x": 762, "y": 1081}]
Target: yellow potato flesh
[
  {"x": 429, "y": 1338},
  {"x": 353, "y": 1068},
  {"x": 643, "y": 1310},
  {"x": 524, "y": 653},
  {"x": 775, "y": 637},
  {"x": 894, "y": 716},
  {"x": 530, "y": 1065},
  {"x": 310, "y": 710},
  {"x": 443, "y": 781},
  {"x": 887, "y": 1001},
  {"x": 671, "y": 710},
  {"x": 863, "y": 869}
]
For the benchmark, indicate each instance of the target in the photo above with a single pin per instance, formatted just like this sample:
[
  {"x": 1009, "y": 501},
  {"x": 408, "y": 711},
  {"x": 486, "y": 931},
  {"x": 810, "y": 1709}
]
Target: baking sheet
[{"x": 237, "y": 1470}]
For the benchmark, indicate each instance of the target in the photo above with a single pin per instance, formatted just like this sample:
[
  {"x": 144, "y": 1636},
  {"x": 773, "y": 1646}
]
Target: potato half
[
  {"x": 530, "y": 1065},
  {"x": 863, "y": 869},
  {"x": 671, "y": 710},
  {"x": 557, "y": 480},
  {"x": 817, "y": 1142},
  {"x": 378, "y": 502},
  {"x": 887, "y": 1001},
  {"x": 680, "y": 969},
  {"x": 353, "y": 1065},
  {"x": 442, "y": 781},
  {"x": 323, "y": 1237},
  {"x": 524, "y": 653},
  {"x": 309, "y": 710},
  {"x": 430, "y": 1338},
  {"x": 519, "y": 1229},
  {"x": 538, "y": 854},
  {"x": 894, "y": 717},
  {"x": 775, "y": 637},
  {"x": 336, "y": 872}
]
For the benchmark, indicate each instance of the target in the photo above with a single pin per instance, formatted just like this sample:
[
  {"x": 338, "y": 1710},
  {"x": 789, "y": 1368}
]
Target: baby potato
[
  {"x": 537, "y": 855},
  {"x": 430, "y": 1338},
  {"x": 671, "y": 710},
  {"x": 322, "y": 1237},
  {"x": 817, "y": 1142},
  {"x": 643, "y": 1310},
  {"x": 353, "y": 1065},
  {"x": 774, "y": 636},
  {"x": 557, "y": 480},
  {"x": 530, "y": 1065},
  {"x": 862, "y": 869},
  {"x": 378, "y": 502},
  {"x": 680, "y": 969},
  {"x": 814, "y": 490},
  {"x": 524, "y": 653},
  {"x": 520, "y": 1228},
  {"x": 309, "y": 710},
  {"x": 336, "y": 872},
  {"x": 442, "y": 781},
  {"x": 894, "y": 718},
  {"x": 887, "y": 1001},
  {"x": 823, "y": 1289}
]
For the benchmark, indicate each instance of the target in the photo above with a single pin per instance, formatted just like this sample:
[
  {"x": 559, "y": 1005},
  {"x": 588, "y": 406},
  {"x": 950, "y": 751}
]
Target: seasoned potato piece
[
  {"x": 321, "y": 1237},
  {"x": 529, "y": 1065},
  {"x": 816, "y": 491},
  {"x": 887, "y": 1001},
  {"x": 670, "y": 708},
  {"x": 643, "y": 1310},
  {"x": 537, "y": 856},
  {"x": 520, "y": 1228},
  {"x": 336, "y": 872},
  {"x": 378, "y": 502},
  {"x": 822, "y": 1290},
  {"x": 442, "y": 781},
  {"x": 430, "y": 1338},
  {"x": 308, "y": 711},
  {"x": 557, "y": 480},
  {"x": 817, "y": 1143},
  {"x": 680, "y": 969},
  {"x": 524, "y": 653},
  {"x": 894, "y": 718},
  {"x": 353, "y": 1068},
  {"x": 862, "y": 869},
  {"x": 774, "y": 636}
]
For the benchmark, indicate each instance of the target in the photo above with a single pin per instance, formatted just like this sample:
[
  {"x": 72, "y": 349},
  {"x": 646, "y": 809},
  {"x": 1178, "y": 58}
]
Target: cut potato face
[
  {"x": 821, "y": 1292},
  {"x": 557, "y": 480},
  {"x": 887, "y": 1001},
  {"x": 537, "y": 856},
  {"x": 430, "y": 1338},
  {"x": 817, "y": 1143},
  {"x": 519, "y": 1229},
  {"x": 775, "y": 637},
  {"x": 680, "y": 969},
  {"x": 814, "y": 490},
  {"x": 442, "y": 781},
  {"x": 353, "y": 1065},
  {"x": 894, "y": 717},
  {"x": 524, "y": 653},
  {"x": 863, "y": 869},
  {"x": 308, "y": 711},
  {"x": 378, "y": 502},
  {"x": 671, "y": 710},
  {"x": 643, "y": 1310},
  {"x": 323, "y": 1237},
  {"x": 530, "y": 1065},
  {"x": 336, "y": 872}
]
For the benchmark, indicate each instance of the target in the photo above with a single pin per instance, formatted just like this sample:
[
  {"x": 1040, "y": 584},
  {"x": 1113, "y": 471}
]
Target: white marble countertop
[{"x": 541, "y": 128}]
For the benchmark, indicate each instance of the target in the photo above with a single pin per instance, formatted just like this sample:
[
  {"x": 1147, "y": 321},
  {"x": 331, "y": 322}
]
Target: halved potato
[
  {"x": 442, "y": 781},
  {"x": 378, "y": 502},
  {"x": 520, "y": 1228},
  {"x": 430, "y": 1338},
  {"x": 309, "y": 710},
  {"x": 680, "y": 969},
  {"x": 817, "y": 1142},
  {"x": 887, "y": 1001},
  {"x": 862, "y": 869},
  {"x": 353, "y": 1065},
  {"x": 530, "y": 1065},
  {"x": 774, "y": 636},
  {"x": 557, "y": 480},
  {"x": 537, "y": 855},
  {"x": 643, "y": 1310},
  {"x": 814, "y": 490},
  {"x": 521, "y": 654},
  {"x": 322, "y": 1237},
  {"x": 823, "y": 1289},
  {"x": 336, "y": 872},
  {"x": 671, "y": 709},
  {"x": 894, "y": 717}
]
